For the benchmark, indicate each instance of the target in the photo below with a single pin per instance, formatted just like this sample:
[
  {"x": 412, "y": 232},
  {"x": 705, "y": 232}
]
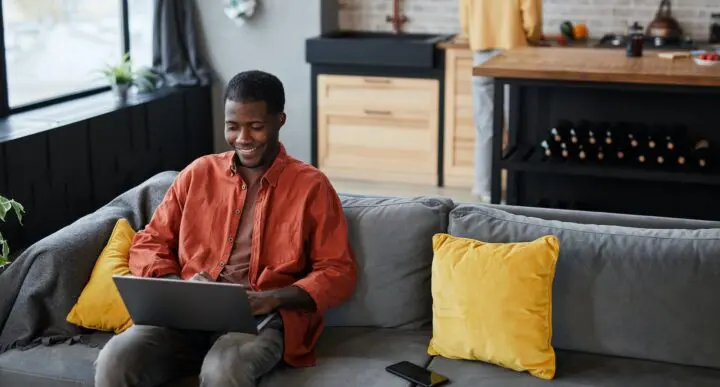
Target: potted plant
[
  {"x": 122, "y": 77},
  {"x": 6, "y": 205}
]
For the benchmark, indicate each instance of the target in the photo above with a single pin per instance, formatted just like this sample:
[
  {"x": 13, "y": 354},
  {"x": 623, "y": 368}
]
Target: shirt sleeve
[
  {"x": 532, "y": 19},
  {"x": 334, "y": 272},
  {"x": 153, "y": 252}
]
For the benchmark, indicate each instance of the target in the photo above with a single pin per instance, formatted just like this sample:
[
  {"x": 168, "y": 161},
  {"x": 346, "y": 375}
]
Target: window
[
  {"x": 141, "y": 32},
  {"x": 55, "y": 48}
]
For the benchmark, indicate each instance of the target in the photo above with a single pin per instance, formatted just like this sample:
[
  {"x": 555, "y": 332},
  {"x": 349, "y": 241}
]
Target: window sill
[{"x": 39, "y": 120}]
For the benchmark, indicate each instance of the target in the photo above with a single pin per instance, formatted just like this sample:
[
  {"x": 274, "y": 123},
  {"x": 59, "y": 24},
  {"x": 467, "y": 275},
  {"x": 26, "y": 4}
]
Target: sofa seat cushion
[
  {"x": 349, "y": 357},
  {"x": 580, "y": 369},
  {"x": 57, "y": 365},
  {"x": 60, "y": 365}
]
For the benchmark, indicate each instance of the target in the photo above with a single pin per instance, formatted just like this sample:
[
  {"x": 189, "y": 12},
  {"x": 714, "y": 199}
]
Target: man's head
[{"x": 254, "y": 114}]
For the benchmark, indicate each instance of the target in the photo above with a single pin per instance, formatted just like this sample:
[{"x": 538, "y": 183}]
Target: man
[
  {"x": 490, "y": 27},
  {"x": 254, "y": 216}
]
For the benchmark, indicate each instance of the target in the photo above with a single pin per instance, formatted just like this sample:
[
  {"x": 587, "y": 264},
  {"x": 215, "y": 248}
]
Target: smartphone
[{"x": 416, "y": 374}]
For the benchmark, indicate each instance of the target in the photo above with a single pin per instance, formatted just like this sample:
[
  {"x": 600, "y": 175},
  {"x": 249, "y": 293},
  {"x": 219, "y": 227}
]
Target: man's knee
[
  {"x": 236, "y": 360},
  {"x": 116, "y": 362}
]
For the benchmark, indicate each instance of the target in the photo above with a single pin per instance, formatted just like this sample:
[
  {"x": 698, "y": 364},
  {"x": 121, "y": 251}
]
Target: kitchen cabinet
[
  {"x": 378, "y": 128},
  {"x": 459, "y": 136}
]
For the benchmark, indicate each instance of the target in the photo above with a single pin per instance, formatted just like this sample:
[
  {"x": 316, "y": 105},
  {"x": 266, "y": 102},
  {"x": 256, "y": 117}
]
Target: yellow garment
[
  {"x": 492, "y": 302},
  {"x": 500, "y": 24},
  {"x": 100, "y": 306}
]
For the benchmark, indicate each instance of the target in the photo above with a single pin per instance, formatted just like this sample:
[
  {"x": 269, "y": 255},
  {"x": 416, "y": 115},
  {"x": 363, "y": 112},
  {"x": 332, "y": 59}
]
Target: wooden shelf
[{"x": 530, "y": 159}]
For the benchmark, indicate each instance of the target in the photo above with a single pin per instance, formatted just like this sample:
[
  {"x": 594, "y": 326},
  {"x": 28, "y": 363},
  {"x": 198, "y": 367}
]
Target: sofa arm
[{"x": 39, "y": 288}]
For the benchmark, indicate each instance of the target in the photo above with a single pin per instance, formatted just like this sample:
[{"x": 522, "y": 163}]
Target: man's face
[{"x": 252, "y": 132}]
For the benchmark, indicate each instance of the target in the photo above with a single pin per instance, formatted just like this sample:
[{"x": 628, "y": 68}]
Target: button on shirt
[{"x": 299, "y": 237}]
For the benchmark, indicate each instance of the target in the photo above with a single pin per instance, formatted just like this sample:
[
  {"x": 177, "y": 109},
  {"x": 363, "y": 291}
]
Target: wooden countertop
[
  {"x": 460, "y": 43},
  {"x": 598, "y": 65}
]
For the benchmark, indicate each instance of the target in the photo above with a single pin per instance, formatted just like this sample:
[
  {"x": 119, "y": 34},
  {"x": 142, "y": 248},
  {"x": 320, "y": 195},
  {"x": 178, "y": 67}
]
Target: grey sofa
[{"x": 635, "y": 299}]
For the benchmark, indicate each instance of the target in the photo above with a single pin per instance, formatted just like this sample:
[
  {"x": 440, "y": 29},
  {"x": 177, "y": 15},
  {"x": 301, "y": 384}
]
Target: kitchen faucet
[{"x": 397, "y": 19}]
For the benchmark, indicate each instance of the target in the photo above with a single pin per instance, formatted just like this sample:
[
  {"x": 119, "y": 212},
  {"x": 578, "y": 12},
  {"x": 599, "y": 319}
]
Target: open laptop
[{"x": 188, "y": 305}]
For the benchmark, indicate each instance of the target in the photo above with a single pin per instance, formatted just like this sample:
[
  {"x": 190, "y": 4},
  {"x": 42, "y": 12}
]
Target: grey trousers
[
  {"x": 483, "y": 107},
  {"x": 152, "y": 356}
]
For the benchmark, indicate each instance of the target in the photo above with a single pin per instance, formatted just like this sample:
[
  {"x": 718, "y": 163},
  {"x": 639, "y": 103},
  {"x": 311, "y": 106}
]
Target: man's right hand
[{"x": 201, "y": 277}]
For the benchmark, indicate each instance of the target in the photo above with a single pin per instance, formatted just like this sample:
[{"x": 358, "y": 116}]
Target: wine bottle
[
  {"x": 634, "y": 143},
  {"x": 600, "y": 154},
  {"x": 548, "y": 150},
  {"x": 701, "y": 154},
  {"x": 555, "y": 135},
  {"x": 564, "y": 151},
  {"x": 591, "y": 139},
  {"x": 582, "y": 154}
]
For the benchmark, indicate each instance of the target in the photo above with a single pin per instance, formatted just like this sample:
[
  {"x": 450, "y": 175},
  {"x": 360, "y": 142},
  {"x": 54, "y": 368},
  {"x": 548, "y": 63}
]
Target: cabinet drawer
[
  {"x": 378, "y": 95},
  {"x": 378, "y": 147}
]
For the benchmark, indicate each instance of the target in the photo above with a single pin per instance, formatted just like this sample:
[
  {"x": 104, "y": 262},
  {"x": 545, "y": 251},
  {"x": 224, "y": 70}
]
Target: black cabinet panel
[{"x": 70, "y": 178}]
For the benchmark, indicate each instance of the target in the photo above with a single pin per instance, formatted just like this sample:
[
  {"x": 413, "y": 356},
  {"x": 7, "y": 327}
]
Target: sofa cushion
[
  {"x": 356, "y": 357},
  {"x": 392, "y": 242},
  {"x": 57, "y": 365},
  {"x": 492, "y": 302},
  {"x": 621, "y": 291},
  {"x": 580, "y": 370}
]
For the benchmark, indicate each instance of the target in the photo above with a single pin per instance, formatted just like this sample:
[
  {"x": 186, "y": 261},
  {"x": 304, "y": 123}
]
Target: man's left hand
[{"x": 262, "y": 303}]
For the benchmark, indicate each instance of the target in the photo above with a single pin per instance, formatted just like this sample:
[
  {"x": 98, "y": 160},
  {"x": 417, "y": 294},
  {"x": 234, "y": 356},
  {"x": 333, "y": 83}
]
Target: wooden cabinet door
[
  {"x": 378, "y": 129},
  {"x": 459, "y": 139}
]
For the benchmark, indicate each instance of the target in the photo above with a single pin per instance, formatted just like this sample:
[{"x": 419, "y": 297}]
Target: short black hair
[{"x": 256, "y": 85}]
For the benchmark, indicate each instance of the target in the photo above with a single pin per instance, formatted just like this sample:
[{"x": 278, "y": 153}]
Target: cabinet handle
[
  {"x": 377, "y": 112},
  {"x": 377, "y": 80}
]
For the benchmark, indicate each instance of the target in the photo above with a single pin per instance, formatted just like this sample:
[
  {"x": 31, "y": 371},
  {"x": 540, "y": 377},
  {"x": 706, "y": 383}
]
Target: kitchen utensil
[{"x": 664, "y": 25}]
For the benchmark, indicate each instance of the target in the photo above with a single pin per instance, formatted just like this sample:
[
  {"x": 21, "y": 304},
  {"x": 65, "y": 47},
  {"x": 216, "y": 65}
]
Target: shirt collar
[{"x": 273, "y": 173}]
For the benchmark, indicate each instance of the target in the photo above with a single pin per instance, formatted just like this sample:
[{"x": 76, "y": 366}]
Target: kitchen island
[{"x": 594, "y": 130}]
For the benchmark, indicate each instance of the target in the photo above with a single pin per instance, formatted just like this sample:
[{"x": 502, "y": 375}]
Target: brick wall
[{"x": 601, "y": 16}]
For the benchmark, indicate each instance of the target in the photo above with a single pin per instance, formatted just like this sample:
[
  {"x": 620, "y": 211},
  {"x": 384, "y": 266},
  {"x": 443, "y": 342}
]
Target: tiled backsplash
[{"x": 601, "y": 16}]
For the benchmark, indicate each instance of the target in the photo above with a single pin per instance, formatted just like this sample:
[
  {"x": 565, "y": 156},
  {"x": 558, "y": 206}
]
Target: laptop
[{"x": 189, "y": 305}]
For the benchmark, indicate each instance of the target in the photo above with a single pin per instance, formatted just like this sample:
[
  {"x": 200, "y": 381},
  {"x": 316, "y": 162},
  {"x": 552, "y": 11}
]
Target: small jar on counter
[
  {"x": 635, "y": 41},
  {"x": 715, "y": 29}
]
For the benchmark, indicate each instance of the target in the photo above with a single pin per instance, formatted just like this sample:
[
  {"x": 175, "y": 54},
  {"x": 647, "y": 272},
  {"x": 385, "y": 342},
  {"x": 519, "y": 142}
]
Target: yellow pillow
[
  {"x": 492, "y": 302},
  {"x": 99, "y": 305}
]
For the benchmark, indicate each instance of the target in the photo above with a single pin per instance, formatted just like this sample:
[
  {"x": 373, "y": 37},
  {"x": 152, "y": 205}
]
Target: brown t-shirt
[{"x": 238, "y": 265}]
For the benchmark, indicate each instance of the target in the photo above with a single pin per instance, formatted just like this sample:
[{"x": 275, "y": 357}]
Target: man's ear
[{"x": 282, "y": 117}]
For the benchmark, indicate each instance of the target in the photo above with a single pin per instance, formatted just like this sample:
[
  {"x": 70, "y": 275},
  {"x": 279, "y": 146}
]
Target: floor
[{"x": 459, "y": 195}]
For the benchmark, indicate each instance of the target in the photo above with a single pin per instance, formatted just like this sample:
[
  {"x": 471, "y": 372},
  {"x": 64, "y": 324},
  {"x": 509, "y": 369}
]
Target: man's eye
[{"x": 257, "y": 126}]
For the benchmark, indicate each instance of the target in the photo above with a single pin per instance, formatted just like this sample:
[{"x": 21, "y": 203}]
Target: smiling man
[{"x": 254, "y": 216}]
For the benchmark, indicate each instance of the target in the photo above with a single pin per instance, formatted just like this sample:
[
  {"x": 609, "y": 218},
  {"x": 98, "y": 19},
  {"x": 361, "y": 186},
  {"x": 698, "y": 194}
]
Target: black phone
[{"x": 416, "y": 374}]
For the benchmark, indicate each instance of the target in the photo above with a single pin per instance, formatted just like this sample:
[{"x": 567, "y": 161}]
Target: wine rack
[
  {"x": 631, "y": 145},
  {"x": 623, "y": 151}
]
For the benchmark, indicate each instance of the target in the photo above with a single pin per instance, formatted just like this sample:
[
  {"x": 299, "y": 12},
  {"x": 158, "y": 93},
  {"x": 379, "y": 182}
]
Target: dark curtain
[{"x": 176, "y": 54}]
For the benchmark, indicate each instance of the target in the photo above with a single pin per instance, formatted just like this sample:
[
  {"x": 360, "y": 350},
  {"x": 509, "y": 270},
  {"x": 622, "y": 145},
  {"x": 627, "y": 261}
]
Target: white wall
[
  {"x": 274, "y": 41},
  {"x": 602, "y": 16}
]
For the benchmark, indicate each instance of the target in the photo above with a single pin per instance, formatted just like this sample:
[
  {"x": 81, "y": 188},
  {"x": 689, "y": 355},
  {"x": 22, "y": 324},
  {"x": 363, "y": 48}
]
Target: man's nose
[{"x": 244, "y": 137}]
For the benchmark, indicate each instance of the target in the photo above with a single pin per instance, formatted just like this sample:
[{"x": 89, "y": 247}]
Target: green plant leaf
[
  {"x": 5, "y": 206},
  {"x": 5, "y": 253},
  {"x": 19, "y": 210}
]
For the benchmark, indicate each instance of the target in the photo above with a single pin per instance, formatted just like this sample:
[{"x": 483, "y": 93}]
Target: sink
[{"x": 368, "y": 48}]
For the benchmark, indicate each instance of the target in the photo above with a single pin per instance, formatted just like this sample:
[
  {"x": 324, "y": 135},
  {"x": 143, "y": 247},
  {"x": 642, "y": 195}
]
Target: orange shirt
[{"x": 300, "y": 237}]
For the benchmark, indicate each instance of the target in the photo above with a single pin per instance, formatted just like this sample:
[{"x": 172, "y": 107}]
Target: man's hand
[
  {"x": 201, "y": 277},
  {"x": 291, "y": 297},
  {"x": 262, "y": 302}
]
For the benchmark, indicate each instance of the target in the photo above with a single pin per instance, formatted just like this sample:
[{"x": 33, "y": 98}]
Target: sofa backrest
[
  {"x": 392, "y": 242},
  {"x": 619, "y": 290}
]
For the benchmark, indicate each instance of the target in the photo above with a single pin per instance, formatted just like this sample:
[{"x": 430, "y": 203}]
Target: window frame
[{"x": 6, "y": 110}]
